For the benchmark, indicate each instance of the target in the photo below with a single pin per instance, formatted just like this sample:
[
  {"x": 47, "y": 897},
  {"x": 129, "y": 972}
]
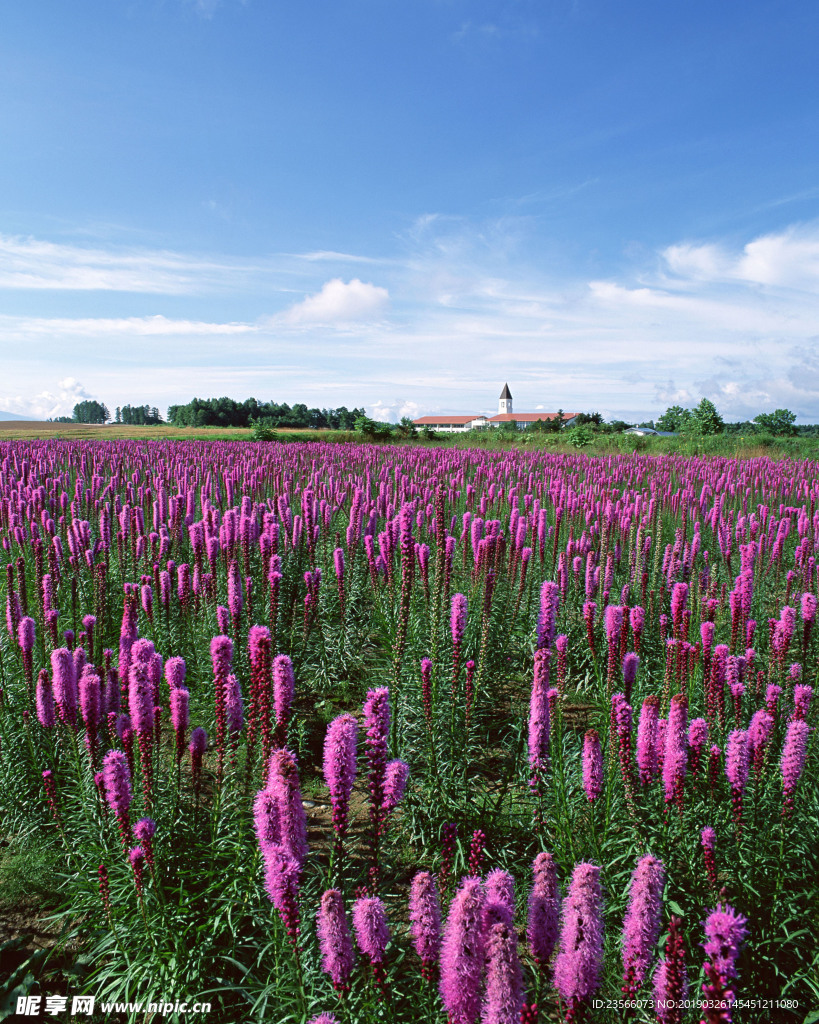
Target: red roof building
[{"x": 452, "y": 423}]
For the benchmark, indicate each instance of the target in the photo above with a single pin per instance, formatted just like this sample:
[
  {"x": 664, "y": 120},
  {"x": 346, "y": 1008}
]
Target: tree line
[
  {"x": 703, "y": 419},
  {"x": 226, "y": 412}
]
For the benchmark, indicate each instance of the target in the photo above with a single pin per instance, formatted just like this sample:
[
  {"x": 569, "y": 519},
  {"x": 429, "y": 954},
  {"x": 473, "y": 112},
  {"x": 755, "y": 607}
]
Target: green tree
[
  {"x": 406, "y": 428},
  {"x": 705, "y": 419},
  {"x": 90, "y": 411},
  {"x": 673, "y": 419},
  {"x": 372, "y": 429},
  {"x": 780, "y": 422}
]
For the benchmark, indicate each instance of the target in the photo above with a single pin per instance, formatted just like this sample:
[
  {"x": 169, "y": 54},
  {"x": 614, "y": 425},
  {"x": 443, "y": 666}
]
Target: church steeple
[{"x": 505, "y": 401}]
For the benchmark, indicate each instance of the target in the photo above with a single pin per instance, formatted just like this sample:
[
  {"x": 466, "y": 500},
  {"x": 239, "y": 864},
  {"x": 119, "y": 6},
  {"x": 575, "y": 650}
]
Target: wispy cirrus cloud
[
  {"x": 30, "y": 263},
  {"x": 140, "y": 326}
]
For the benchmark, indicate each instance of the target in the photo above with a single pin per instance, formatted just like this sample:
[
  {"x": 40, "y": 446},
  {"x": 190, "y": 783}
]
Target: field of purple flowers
[{"x": 349, "y": 733}]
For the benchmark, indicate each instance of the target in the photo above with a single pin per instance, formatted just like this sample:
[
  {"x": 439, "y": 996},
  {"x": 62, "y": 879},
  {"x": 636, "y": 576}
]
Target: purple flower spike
[
  {"x": 549, "y": 604},
  {"x": 335, "y": 940},
  {"x": 425, "y": 920},
  {"x": 284, "y": 686},
  {"x": 340, "y": 767},
  {"x": 234, "y": 711},
  {"x": 283, "y": 783},
  {"x": 117, "y": 780},
  {"x": 544, "y": 909},
  {"x": 671, "y": 978},
  {"x": 65, "y": 684},
  {"x": 458, "y": 618},
  {"x": 579, "y": 963},
  {"x": 45, "y": 701},
  {"x": 324, "y": 1018},
  {"x": 725, "y": 931},
  {"x": 266, "y": 820},
  {"x": 395, "y": 783},
  {"x": 462, "y": 954},
  {"x": 371, "y": 931},
  {"x": 539, "y": 717},
  {"x": 175, "y": 672},
  {"x": 675, "y": 759},
  {"x": 641, "y": 927},
  {"x": 504, "y": 981},
  {"x": 647, "y": 739},
  {"x": 592, "y": 765},
  {"x": 281, "y": 880},
  {"x": 794, "y": 752},
  {"x": 500, "y": 890}
]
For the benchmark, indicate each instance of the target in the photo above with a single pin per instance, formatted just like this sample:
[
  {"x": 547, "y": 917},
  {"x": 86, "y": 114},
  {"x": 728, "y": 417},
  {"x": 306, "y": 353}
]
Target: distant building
[
  {"x": 458, "y": 424},
  {"x": 649, "y": 432},
  {"x": 452, "y": 423}
]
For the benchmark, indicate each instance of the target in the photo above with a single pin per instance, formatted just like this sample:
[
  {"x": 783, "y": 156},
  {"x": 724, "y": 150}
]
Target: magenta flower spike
[
  {"x": 234, "y": 709},
  {"x": 592, "y": 765},
  {"x": 45, "y": 701},
  {"x": 281, "y": 881},
  {"x": 65, "y": 685},
  {"x": 284, "y": 687},
  {"x": 462, "y": 954},
  {"x": 736, "y": 768},
  {"x": 324, "y": 1018},
  {"x": 175, "y": 672},
  {"x": 539, "y": 718},
  {"x": 802, "y": 695},
  {"x": 377, "y": 725},
  {"x": 179, "y": 701},
  {"x": 630, "y": 665},
  {"x": 725, "y": 932},
  {"x": 283, "y": 783},
  {"x": 395, "y": 784},
  {"x": 647, "y": 739},
  {"x": 547, "y": 620},
  {"x": 266, "y": 820},
  {"x": 579, "y": 963},
  {"x": 117, "y": 779},
  {"x": 335, "y": 940},
  {"x": 794, "y": 752},
  {"x": 499, "y": 888},
  {"x": 425, "y": 920},
  {"x": 671, "y": 978},
  {"x": 708, "y": 841},
  {"x": 697, "y": 739},
  {"x": 25, "y": 634},
  {"x": 340, "y": 767},
  {"x": 371, "y": 932},
  {"x": 641, "y": 927},
  {"x": 140, "y": 695},
  {"x": 221, "y": 653},
  {"x": 504, "y": 980},
  {"x": 675, "y": 760},
  {"x": 457, "y": 619},
  {"x": 544, "y": 910}
]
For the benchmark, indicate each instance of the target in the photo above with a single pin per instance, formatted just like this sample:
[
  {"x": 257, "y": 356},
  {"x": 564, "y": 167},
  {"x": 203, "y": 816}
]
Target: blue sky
[{"x": 613, "y": 206}]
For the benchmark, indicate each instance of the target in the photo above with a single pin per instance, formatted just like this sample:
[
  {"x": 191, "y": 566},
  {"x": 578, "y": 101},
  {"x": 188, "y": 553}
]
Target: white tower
[{"x": 505, "y": 401}]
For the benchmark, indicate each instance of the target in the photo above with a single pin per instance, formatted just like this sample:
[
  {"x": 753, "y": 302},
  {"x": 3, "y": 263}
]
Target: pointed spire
[{"x": 506, "y": 393}]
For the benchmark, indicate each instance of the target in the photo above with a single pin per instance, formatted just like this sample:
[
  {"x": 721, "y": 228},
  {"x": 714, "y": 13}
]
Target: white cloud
[
  {"x": 788, "y": 259},
  {"x": 27, "y": 263},
  {"x": 48, "y": 404},
  {"x": 340, "y": 302},
  {"x": 147, "y": 326},
  {"x": 392, "y": 412}
]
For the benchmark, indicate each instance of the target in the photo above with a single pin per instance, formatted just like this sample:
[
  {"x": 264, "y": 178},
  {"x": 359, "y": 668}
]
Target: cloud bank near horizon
[{"x": 457, "y": 309}]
